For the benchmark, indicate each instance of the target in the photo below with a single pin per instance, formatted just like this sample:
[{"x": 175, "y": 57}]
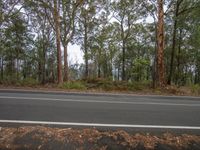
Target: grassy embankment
[{"x": 102, "y": 85}]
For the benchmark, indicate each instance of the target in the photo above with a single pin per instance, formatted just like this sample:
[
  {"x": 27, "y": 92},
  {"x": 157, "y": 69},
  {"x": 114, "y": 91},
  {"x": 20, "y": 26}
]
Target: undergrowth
[
  {"x": 73, "y": 85},
  {"x": 195, "y": 89}
]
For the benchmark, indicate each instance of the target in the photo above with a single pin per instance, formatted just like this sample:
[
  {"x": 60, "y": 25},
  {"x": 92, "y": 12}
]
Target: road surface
[{"x": 99, "y": 110}]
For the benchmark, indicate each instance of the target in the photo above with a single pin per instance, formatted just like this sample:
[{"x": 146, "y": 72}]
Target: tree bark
[
  {"x": 58, "y": 40},
  {"x": 17, "y": 69},
  {"x": 39, "y": 71},
  {"x": 66, "y": 68},
  {"x": 86, "y": 50},
  {"x": 2, "y": 68},
  {"x": 160, "y": 48},
  {"x": 173, "y": 42},
  {"x": 178, "y": 57},
  {"x": 43, "y": 65},
  {"x": 123, "y": 61}
]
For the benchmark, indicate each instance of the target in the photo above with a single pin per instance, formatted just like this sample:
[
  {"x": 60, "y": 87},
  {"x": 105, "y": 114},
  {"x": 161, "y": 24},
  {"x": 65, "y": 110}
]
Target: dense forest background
[{"x": 154, "y": 41}]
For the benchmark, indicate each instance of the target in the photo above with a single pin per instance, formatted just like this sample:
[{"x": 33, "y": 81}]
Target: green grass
[
  {"x": 110, "y": 85},
  {"x": 77, "y": 85},
  {"x": 25, "y": 82}
]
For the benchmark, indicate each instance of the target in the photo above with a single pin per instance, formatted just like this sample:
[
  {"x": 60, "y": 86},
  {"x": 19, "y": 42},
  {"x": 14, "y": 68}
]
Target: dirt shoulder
[
  {"x": 39, "y": 137},
  {"x": 168, "y": 91}
]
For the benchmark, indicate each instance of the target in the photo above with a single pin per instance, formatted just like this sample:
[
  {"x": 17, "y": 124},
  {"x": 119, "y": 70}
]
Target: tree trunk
[
  {"x": 43, "y": 65},
  {"x": 17, "y": 65},
  {"x": 39, "y": 71},
  {"x": 154, "y": 71},
  {"x": 2, "y": 61},
  {"x": 17, "y": 70},
  {"x": 173, "y": 42},
  {"x": 118, "y": 73},
  {"x": 178, "y": 58},
  {"x": 58, "y": 40},
  {"x": 66, "y": 68},
  {"x": 160, "y": 48},
  {"x": 86, "y": 51},
  {"x": 99, "y": 70},
  {"x": 123, "y": 61}
]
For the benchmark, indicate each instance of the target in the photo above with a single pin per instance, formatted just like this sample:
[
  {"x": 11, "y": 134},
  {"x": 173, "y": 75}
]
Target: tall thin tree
[
  {"x": 58, "y": 41},
  {"x": 160, "y": 48}
]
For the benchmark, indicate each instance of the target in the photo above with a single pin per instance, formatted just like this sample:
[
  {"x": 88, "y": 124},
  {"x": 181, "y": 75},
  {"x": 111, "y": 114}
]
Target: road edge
[{"x": 89, "y": 93}]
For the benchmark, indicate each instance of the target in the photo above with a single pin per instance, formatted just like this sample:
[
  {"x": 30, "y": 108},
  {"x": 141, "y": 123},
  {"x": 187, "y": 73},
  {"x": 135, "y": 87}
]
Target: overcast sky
[{"x": 75, "y": 54}]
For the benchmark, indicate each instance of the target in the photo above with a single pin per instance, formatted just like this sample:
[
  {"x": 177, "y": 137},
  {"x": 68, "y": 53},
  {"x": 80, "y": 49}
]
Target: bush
[
  {"x": 110, "y": 85},
  {"x": 195, "y": 89},
  {"x": 73, "y": 85},
  {"x": 28, "y": 82},
  {"x": 9, "y": 80},
  {"x": 25, "y": 82},
  {"x": 138, "y": 85}
]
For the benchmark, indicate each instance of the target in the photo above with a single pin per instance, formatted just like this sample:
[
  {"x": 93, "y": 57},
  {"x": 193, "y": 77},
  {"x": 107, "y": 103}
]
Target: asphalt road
[{"x": 99, "y": 110}]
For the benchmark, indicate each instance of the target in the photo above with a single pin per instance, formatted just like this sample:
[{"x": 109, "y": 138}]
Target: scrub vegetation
[{"x": 126, "y": 45}]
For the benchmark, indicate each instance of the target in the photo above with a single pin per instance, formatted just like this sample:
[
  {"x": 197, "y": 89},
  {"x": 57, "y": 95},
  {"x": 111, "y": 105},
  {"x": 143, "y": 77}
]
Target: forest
[{"x": 129, "y": 41}]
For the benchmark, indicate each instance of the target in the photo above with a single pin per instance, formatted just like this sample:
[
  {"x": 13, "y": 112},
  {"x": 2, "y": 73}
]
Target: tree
[
  {"x": 89, "y": 22},
  {"x": 117, "y": 38},
  {"x": 58, "y": 40},
  {"x": 125, "y": 14},
  {"x": 69, "y": 11},
  {"x": 160, "y": 43},
  {"x": 181, "y": 10}
]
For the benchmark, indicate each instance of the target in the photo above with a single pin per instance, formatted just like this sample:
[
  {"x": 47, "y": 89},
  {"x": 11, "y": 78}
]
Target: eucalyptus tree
[
  {"x": 14, "y": 45},
  {"x": 140, "y": 49},
  {"x": 125, "y": 13},
  {"x": 50, "y": 11},
  {"x": 160, "y": 48},
  {"x": 7, "y": 10},
  {"x": 104, "y": 50},
  {"x": 68, "y": 24},
  {"x": 56, "y": 17},
  {"x": 39, "y": 16},
  {"x": 181, "y": 10},
  {"x": 89, "y": 22}
]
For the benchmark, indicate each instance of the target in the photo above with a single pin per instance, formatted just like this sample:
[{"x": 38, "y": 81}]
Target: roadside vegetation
[
  {"x": 126, "y": 45},
  {"x": 108, "y": 86}
]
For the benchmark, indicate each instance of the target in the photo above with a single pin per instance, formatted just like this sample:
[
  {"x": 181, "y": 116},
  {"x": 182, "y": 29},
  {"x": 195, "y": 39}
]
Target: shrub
[
  {"x": 24, "y": 82},
  {"x": 195, "y": 89},
  {"x": 138, "y": 85},
  {"x": 73, "y": 85},
  {"x": 28, "y": 82}
]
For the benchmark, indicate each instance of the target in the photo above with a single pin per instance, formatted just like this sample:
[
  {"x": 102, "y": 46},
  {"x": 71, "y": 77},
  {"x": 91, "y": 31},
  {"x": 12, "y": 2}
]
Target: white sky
[{"x": 75, "y": 54}]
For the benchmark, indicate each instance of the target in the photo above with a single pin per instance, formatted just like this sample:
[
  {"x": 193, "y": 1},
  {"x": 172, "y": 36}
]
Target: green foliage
[
  {"x": 8, "y": 80},
  {"x": 113, "y": 47},
  {"x": 196, "y": 89},
  {"x": 139, "y": 85},
  {"x": 77, "y": 85},
  {"x": 139, "y": 69},
  {"x": 109, "y": 85},
  {"x": 29, "y": 82}
]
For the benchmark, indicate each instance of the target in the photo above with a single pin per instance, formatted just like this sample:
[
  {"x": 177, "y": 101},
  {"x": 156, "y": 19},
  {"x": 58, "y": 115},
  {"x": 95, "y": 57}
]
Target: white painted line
[
  {"x": 100, "y": 125},
  {"x": 102, "y": 101}
]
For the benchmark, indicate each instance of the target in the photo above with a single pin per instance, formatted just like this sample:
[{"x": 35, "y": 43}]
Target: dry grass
[{"x": 101, "y": 85}]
